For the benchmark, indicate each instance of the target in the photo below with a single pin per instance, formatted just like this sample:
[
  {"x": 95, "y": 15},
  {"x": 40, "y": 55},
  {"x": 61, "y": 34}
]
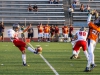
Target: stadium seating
[
  {"x": 79, "y": 18},
  {"x": 16, "y": 11}
]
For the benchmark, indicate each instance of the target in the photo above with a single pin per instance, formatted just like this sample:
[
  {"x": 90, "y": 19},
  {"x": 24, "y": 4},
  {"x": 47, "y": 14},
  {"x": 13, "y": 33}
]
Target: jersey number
[
  {"x": 95, "y": 32},
  {"x": 82, "y": 33}
]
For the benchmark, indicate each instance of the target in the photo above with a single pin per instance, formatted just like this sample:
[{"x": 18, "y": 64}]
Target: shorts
[
  {"x": 40, "y": 35},
  {"x": 80, "y": 43},
  {"x": 46, "y": 35},
  {"x": 20, "y": 44},
  {"x": 65, "y": 35},
  {"x": 30, "y": 35}
]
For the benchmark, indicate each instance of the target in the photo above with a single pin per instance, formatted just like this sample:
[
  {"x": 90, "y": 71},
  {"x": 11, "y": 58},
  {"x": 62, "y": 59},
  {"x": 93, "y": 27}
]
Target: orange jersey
[
  {"x": 40, "y": 29},
  {"x": 65, "y": 30},
  {"x": 93, "y": 31},
  {"x": 46, "y": 29}
]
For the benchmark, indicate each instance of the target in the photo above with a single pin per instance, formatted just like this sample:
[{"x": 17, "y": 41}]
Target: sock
[
  {"x": 24, "y": 58},
  {"x": 77, "y": 53},
  {"x": 92, "y": 60},
  {"x": 30, "y": 49},
  {"x": 89, "y": 61},
  {"x": 74, "y": 52},
  {"x": 86, "y": 54}
]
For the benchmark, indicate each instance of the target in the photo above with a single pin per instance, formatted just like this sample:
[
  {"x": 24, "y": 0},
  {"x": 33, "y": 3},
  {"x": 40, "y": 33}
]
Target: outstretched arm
[
  {"x": 27, "y": 28},
  {"x": 89, "y": 18}
]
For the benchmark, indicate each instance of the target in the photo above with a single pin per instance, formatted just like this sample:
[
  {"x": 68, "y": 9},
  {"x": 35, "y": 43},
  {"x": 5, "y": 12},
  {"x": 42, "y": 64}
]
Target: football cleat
[
  {"x": 87, "y": 69},
  {"x": 72, "y": 57},
  {"x": 36, "y": 51},
  {"x": 25, "y": 64},
  {"x": 93, "y": 66}
]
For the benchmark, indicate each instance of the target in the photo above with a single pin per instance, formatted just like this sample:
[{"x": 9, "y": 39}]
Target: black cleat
[
  {"x": 93, "y": 66},
  {"x": 36, "y": 51},
  {"x": 25, "y": 64},
  {"x": 72, "y": 57},
  {"x": 87, "y": 69}
]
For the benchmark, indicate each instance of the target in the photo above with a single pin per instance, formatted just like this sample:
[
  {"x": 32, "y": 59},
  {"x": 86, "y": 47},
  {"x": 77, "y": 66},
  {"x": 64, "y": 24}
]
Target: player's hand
[{"x": 92, "y": 12}]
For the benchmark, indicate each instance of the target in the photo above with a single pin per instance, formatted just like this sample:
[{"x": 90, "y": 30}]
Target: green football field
[{"x": 57, "y": 54}]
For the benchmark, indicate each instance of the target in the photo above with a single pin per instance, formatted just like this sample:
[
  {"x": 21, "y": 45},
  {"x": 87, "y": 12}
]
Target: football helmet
[
  {"x": 16, "y": 26},
  {"x": 82, "y": 29}
]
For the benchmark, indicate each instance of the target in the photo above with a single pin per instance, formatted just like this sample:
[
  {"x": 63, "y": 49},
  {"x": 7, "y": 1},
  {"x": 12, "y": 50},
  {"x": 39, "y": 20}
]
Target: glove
[{"x": 92, "y": 12}]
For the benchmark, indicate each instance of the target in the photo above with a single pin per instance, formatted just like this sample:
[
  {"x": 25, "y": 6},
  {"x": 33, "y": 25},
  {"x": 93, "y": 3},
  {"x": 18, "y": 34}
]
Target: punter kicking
[{"x": 13, "y": 35}]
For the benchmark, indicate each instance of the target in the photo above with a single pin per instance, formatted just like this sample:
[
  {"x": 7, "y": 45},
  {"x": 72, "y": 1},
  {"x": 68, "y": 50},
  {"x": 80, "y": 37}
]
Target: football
[
  {"x": 39, "y": 49},
  {"x": 75, "y": 57}
]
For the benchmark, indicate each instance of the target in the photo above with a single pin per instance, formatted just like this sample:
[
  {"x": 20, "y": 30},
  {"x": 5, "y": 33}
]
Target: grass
[{"x": 57, "y": 54}]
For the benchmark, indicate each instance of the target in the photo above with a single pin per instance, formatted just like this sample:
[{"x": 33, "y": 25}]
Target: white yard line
[
  {"x": 37, "y": 45},
  {"x": 56, "y": 73}
]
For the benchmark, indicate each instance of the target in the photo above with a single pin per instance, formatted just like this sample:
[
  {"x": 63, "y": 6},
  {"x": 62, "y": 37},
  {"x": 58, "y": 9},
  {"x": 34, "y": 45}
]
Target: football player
[
  {"x": 65, "y": 31},
  {"x": 46, "y": 32},
  {"x": 94, "y": 30},
  {"x": 73, "y": 42},
  {"x": 13, "y": 35},
  {"x": 80, "y": 38},
  {"x": 40, "y": 32}
]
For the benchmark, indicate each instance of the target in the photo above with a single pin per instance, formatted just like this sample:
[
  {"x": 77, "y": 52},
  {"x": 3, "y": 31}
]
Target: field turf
[{"x": 57, "y": 54}]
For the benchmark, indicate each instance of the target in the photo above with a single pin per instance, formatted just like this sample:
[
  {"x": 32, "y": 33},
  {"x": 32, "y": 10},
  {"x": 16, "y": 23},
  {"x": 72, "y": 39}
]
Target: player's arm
[
  {"x": 89, "y": 18},
  {"x": 48, "y": 29},
  {"x": 67, "y": 29},
  {"x": 95, "y": 27},
  {"x": 75, "y": 37},
  {"x": 27, "y": 28}
]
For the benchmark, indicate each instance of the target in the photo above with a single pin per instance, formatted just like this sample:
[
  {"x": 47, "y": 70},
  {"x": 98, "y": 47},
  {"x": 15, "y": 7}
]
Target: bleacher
[
  {"x": 80, "y": 18},
  {"x": 12, "y": 11}
]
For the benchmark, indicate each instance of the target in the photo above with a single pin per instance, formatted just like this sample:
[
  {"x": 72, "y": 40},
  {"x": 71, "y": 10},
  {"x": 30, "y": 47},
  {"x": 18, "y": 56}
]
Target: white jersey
[
  {"x": 12, "y": 34},
  {"x": 81, "y": 35}
]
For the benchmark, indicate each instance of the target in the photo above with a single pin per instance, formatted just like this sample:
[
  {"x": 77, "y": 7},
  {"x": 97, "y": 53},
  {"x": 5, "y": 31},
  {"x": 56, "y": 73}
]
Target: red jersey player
[
  {"x": 13, "y": 35},
  {"x": 81, "y": 36}
]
